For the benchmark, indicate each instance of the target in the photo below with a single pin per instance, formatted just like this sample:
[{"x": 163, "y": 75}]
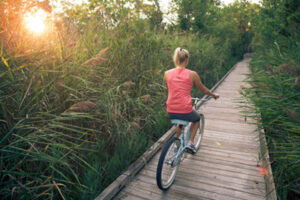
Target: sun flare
[{"x": 35, "y": 21}]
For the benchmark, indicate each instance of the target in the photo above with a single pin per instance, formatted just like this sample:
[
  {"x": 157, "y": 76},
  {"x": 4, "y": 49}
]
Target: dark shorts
[{"x": 191, "y": 117}]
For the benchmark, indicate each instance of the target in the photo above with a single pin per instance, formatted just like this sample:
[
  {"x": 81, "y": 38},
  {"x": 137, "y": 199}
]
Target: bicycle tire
[
  {"x": 200, "y": 132},
  {"x": 160, "y": 172}
]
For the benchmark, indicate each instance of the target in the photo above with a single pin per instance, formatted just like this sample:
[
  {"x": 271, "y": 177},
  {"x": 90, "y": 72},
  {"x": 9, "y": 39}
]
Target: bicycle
[{"x": 173, "y": 152}]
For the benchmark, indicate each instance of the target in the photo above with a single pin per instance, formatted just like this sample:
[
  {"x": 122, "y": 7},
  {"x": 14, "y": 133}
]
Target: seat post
[
  {"x": 178, "y": 130},
  {"x": 179, "y": 125}
]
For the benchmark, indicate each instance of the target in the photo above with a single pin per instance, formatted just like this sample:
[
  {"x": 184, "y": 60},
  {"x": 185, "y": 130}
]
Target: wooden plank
[
  {"x": 230, "y": 150},
  {"x": 192, "y": 182},
  {"x": 219, "y": 109},
  {"x": 213, "y": 155},
  {"x": 225, "y": 104},
  {"x": 226, "y": 157},
  {"x": 217, "y": 160},
  {"x": 241, "y": 186},
  {"x": 229, "y": 144},
  {"x": 128, "y": 196},
  {"x": 229, "y": 138},
  {"x": 195, "y": 166},
  {"x": 196, "y": 157},
  {"x": 194, "y": 192},
  {"x": 231, "y": 135},
  {"x": 210, "y": 111},
  {"x": 213, "y": 159},
  {"x": 147, "y": 181},
  {"x": 229, "y": 168},
  {"x": 238, "y": 128},
  {"x": 243, "y": 183},
  {"x": 153, "y": 189},
  {"x": 236, "y": 154},
  {"x": 235, "y": 145},
  {"x": 138, "y": 190}
]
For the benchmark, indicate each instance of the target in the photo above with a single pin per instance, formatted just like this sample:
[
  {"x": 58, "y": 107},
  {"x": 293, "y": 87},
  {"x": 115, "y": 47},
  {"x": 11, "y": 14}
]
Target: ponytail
[{"x": 180, "y": 56}]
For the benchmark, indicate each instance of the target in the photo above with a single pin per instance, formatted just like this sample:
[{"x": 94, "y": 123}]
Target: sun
[{"x": 36, "y": 21}]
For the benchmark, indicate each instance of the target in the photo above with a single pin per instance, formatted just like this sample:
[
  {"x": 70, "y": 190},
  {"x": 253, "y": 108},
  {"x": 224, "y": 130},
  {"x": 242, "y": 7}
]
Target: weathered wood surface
[{"x": 226, "y": 165}]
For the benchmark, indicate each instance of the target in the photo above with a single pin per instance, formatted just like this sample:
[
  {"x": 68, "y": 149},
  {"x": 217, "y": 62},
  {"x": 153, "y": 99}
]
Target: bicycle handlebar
[{"x": 196, "y": 100}]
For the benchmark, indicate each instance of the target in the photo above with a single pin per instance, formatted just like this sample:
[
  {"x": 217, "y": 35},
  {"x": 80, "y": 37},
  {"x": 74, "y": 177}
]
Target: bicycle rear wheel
[
  {"x": 199, "y": 133},
  {"x": 166, "y": 171}
]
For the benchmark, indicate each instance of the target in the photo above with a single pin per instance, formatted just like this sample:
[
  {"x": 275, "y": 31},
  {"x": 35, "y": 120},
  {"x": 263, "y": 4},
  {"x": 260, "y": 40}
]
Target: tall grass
[
  {"x": 78, "y": 107},
  {"x": 275, "y": 75},
  {"x": 276, "y": 95},
  {"x": 275, "y": 78}
]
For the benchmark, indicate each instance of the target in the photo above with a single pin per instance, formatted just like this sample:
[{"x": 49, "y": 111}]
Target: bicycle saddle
[{"x": 180, "y": 122}]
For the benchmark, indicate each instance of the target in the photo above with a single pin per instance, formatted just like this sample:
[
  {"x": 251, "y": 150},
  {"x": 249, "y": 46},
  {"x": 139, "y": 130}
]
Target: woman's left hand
[{"x": 215, "y": 96}]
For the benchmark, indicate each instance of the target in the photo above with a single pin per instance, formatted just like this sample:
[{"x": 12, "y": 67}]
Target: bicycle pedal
[{"x": 190, "y": 151}]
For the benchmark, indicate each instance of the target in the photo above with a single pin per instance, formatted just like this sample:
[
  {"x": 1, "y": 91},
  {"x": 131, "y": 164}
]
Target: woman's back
[{"x": 179, "y": 87}]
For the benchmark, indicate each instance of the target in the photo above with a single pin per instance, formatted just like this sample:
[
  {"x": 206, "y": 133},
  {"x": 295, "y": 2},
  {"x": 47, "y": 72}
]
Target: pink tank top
[{"x": 179, "y": 91}]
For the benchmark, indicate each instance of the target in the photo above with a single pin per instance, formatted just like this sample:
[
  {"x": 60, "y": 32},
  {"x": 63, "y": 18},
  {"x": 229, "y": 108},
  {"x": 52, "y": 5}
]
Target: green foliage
[
  {"x": 193, "y": 13},
  {"x": 230, "y": 24},
  {"x": 275, "y": 77}
]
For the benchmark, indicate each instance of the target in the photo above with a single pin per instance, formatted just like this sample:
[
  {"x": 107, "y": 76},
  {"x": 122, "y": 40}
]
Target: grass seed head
[
  {"x": 135, "y": 125},
  {"x": 94, "y": 61},
  {"x": 146, "y": 99},
  {"x": 131, "y": 39},
  {"x": 288, "y": 68},
  {"x": 95, "y": 40},
  {"x": 297, "y": 84},
  {"x": 72, "y": 44},
  {"x": 102, "y": 53},
  {"x": 292, "y": 114},
  {"x": 297, "y": 80},
  {"x": 83, "y": 106},
  {"x": 128, "y": 84}
]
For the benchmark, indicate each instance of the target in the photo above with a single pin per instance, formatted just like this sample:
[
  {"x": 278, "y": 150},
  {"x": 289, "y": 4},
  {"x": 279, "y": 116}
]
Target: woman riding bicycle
[{"x": 179, "y": 81}]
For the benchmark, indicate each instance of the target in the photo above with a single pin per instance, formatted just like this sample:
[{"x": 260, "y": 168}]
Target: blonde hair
[{"x": 180, "y": 55}]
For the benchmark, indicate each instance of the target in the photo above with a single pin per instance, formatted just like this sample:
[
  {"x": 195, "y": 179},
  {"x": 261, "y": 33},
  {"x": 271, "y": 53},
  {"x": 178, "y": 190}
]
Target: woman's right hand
[{"x": 215, "y": 95}]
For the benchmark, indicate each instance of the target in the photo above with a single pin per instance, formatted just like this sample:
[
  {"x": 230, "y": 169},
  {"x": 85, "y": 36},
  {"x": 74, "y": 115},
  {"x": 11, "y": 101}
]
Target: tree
[{"x": 193, "y": 13}]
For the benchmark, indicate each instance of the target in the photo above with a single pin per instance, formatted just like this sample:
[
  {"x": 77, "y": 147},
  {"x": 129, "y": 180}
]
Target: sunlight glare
[{"x": 35, "y": 22}]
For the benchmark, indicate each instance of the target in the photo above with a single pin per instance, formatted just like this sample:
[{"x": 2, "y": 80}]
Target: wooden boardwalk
[{"x": 226, "y": 165}]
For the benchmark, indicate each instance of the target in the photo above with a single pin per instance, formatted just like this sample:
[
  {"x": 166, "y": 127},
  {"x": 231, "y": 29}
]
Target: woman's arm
[{"x": 197, "y": 81}]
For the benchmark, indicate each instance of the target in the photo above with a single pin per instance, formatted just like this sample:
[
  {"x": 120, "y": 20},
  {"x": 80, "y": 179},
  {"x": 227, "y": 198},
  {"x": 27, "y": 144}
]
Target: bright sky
[{"x": 164, "y": 3}]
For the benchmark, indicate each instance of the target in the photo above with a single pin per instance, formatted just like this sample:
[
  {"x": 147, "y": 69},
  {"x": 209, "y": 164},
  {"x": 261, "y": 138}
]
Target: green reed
[{"x": 276, "y": 96}]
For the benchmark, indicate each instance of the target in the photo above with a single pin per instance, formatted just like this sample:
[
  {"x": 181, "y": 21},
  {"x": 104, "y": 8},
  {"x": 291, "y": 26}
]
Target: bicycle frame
[
  {"x": 184, "y": 137},
  {"x": 173, "y": 152}
]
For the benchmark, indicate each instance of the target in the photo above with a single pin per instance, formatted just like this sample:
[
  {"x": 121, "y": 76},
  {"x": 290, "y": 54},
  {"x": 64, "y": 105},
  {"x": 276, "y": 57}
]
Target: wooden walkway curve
[{"x": 226, "y": 165}]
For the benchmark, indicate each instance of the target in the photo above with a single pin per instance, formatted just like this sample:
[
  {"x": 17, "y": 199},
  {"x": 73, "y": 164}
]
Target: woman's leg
[
  {"x": 178, "y": 130},
  {"x": 193, "y": 117},
  {"x": 194, "y": 127}
]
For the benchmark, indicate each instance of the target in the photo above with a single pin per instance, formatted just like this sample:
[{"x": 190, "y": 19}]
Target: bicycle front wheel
[
  {"x": 199, "y": 133},
  {"x": 166, "y": 171}
]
